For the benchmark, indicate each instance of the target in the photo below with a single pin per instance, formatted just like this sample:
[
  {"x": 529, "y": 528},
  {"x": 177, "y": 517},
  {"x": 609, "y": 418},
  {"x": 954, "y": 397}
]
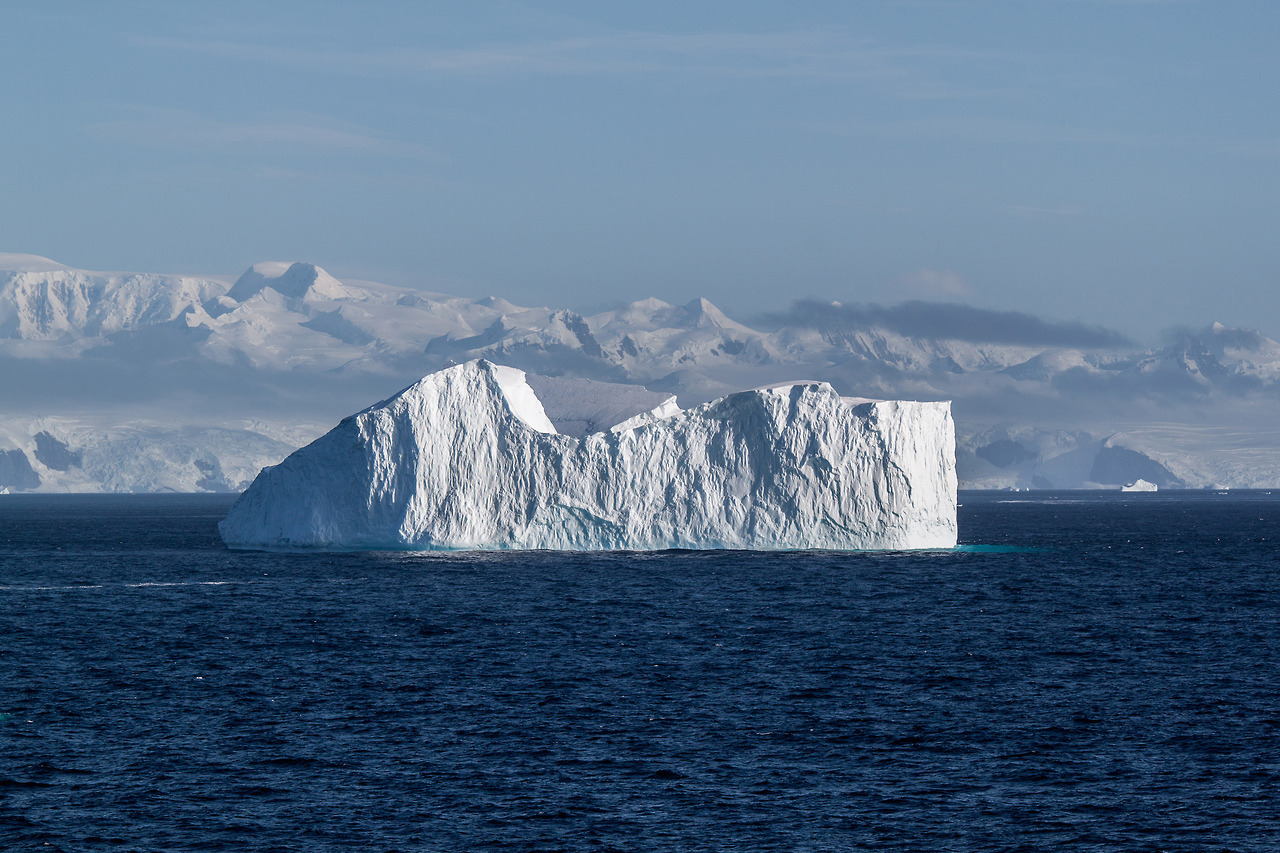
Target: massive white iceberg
[{"x": 471, "y": 458}]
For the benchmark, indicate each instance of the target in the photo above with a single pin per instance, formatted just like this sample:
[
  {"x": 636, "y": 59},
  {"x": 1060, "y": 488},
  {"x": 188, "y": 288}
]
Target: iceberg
[{"x": 470, "y": 457}]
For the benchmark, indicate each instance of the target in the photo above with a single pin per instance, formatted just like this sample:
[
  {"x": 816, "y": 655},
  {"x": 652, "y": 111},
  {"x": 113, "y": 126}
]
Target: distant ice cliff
[{"x": 470, "y": 457}]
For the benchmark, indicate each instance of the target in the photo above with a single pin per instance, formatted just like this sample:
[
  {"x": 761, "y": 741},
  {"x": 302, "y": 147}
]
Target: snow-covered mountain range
[{"x": 143, "y": 382}]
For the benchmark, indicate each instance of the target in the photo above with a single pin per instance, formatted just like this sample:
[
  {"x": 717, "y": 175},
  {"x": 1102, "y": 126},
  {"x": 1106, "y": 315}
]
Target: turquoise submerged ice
[{"x": 471, "y": 458}]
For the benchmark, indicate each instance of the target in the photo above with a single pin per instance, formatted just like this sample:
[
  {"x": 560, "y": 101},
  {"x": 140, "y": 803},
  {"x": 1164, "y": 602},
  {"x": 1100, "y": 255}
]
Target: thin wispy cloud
[
  {"x": 984, "y": 130},
  {"x": 175, "y": 129},
  {"x": 817, "y": 55}
]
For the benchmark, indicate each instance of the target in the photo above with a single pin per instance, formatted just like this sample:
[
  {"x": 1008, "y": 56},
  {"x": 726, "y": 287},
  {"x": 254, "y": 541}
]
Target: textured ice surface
[{"x": 469, "y": 458}]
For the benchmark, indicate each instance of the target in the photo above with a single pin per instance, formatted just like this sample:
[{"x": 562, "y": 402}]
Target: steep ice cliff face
[{"x": 469, "y": 458}]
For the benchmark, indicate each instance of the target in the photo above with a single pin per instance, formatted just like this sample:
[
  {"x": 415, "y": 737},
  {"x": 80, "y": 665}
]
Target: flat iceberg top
[{"x": 483, "y": 456}]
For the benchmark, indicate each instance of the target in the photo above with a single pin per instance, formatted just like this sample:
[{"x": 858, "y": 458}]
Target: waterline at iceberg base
[{"x": 480, "y": 456}]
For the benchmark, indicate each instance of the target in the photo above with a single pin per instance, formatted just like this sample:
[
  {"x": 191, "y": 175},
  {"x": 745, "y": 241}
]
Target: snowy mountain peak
[
  {"x": 702, "y": 314},
  {"x": 14, "y": 262},
  {"x": 497, "y": 303},
  {"x": 651, "y": 304},
  {"x": 293, "y": 281},
  {"x": 648, "y": 313}
]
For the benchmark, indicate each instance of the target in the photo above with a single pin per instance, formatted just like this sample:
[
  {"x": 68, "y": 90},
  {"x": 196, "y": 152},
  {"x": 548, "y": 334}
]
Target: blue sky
[{"x": 1111, "y": 161}]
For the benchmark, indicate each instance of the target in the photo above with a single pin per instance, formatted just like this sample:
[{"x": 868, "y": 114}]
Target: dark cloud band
[{"x": 948, "y": 321}]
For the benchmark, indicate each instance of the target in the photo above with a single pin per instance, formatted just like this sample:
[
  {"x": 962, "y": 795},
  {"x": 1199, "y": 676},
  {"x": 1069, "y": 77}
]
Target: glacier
[{"x": 470, "y": 457}]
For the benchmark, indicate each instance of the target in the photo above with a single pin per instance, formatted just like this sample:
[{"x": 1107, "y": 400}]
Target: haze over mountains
[{"x": 145, "y": 382}]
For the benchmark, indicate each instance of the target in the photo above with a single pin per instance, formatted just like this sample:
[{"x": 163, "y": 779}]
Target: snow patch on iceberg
[
  {"x": 468, "y": 458},
  {"x": 520, "y": 399}
]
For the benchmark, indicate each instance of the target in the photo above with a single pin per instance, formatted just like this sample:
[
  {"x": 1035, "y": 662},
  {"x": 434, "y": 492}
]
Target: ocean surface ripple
[{"x": 1094, "y": 672}]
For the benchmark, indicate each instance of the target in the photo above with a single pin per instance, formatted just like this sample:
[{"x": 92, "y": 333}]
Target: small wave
[
  {"x": 176, "y": 583},
  {"x": 23, "y": 783},
  {"x": 18, "y": 588},
  {"x": 80, "y": 586}
]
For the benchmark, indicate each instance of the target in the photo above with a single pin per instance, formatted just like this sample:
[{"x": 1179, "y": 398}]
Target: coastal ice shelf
[{"x": 480, "y": 456}]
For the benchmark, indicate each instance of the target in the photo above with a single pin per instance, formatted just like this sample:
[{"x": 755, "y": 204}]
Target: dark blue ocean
[{"x": 1095, "y": 672}]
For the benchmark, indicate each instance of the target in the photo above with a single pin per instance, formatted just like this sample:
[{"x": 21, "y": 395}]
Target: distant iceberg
[
  {"x": 471, "y": 458},
  {"x": 1139, "y": 486}
]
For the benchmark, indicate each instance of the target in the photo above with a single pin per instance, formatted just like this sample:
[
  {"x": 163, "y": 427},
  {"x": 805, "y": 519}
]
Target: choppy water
[{"x": 1100, "y": 674}]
